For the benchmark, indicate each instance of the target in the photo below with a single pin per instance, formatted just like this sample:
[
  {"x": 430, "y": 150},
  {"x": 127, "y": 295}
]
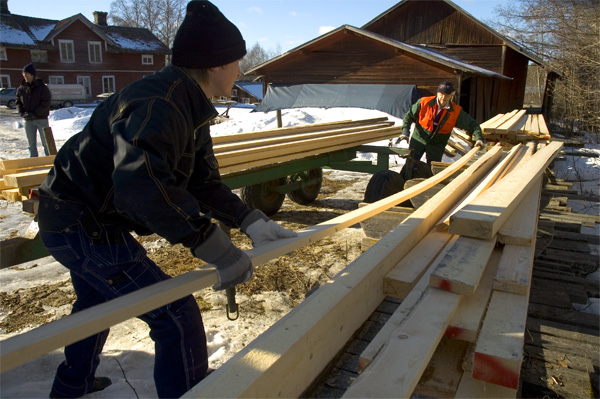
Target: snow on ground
[{"x": 129, "y": 351}]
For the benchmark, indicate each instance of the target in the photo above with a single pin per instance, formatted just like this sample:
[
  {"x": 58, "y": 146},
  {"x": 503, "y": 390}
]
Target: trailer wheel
[
  {"x": 383, "y": 184},
  {"x": 309, "y": 193},
  {"x": 67, "y": 104},
  {"x": 258, "y": 196},
  {"x": 12, "y": 104}
]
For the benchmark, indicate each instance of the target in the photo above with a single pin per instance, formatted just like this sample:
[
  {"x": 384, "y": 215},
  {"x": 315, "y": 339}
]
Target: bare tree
[
  {"x": 161, "y": 17},
  {"x": 566, "y": 34},
  {"x": 257, "y": 55}
]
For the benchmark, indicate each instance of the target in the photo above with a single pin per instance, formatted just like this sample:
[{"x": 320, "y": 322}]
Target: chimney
[
  {"x": 100, "y": 18},
  {"x": 4, "y": 7}
]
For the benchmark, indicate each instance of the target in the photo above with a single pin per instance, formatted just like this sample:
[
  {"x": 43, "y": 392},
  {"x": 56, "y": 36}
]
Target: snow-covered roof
[
  {"x": 36, "y": 33},
  {"x": 23, "y": 31}
]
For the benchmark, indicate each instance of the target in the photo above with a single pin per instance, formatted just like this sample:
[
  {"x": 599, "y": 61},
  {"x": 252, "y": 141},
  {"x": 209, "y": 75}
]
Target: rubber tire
[
  {"x": 308, "y": 194},
  {"x": 383, "y": 184},
  {"x": 67, "y": 104},
  {"x": 255, "y": 197},
  {"x": 12, "y": 104}
]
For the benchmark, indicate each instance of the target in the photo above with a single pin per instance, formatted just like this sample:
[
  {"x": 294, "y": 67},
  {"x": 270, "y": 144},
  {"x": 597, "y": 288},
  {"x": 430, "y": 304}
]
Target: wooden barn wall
[
  {"x": 354, "y": 60},
  {"x": 487, "y": 57},
  {"x": 512, "y": 93},
  {"x": 431, "y": 22}
]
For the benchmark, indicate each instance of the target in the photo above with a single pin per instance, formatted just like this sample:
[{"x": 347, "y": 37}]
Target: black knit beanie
[
  {"x": 206, "y": 38},
  {"x": 30, "y": 68}
]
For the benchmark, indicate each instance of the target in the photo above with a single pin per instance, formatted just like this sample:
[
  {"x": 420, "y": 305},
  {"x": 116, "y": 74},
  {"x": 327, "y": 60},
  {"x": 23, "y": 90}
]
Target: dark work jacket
[
  {"x": 34, "y": 99},
  {"x": 144, "y": 161}
]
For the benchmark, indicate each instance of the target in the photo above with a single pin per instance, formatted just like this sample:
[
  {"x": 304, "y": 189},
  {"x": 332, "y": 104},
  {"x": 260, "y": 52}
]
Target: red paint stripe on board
[{"x": 490, "y": 369}]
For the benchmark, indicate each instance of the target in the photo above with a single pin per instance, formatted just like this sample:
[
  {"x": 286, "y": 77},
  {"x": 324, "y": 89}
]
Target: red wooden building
[{"x": 102, "y": 58}]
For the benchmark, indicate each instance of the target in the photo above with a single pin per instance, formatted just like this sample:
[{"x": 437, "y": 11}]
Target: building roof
[
  {"x": 254, "y": 88},
  {"x": 19, "y": 31},
  {"x": 416, "y": 50},
  {"x": 508, "y": 42}
]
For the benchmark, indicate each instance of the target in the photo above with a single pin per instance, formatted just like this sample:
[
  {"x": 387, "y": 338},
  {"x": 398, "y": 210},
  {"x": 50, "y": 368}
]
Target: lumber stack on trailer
[
  {"x": 516, "y": 126},
  {"x": 19, "y": 176},
  {"x": 234, "y": 152}
]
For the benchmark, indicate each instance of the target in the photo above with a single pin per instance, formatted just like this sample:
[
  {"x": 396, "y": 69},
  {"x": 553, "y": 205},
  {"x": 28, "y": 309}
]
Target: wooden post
[
  {"x": 279, "y": 121},
  {"x": 49, "y": 137}
]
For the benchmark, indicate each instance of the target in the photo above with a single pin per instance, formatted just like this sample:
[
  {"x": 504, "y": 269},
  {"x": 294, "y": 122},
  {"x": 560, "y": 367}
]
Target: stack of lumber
[
  {"x": 235, "y": 152},
  {"x": 515, "y": 127},
  {"x": 258, "y": 149},
  {"x": 19, "y": 176},
  {"x": 459, "y": 284}
]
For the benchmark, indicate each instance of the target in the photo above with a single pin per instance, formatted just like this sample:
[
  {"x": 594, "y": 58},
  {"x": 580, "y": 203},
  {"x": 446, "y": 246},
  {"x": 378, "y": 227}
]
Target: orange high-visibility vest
[{"x": 428, "y": 111}]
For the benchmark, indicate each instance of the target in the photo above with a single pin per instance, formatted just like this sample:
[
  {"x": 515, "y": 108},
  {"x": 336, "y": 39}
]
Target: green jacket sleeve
[
  {"x": 465, "y": 122},
  {"x": 410, "y": 117}
]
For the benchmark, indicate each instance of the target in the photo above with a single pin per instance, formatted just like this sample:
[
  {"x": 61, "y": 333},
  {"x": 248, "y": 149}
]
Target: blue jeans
[
  {"x": 32, "y": 127},
  {"x": 105, "y": 268}
]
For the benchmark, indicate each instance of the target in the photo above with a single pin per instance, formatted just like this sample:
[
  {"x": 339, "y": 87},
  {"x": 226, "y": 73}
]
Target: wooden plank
[
  {"x": 485, "y": 215},
  {"x": 27, "y": 346},
  {"x": 26, "y": 162},
  {"x": 513, "y": 124},
  {"x": 495, "y": 174},
  {"x": 462, "y": 268},
  {"x": 544, "y": 131},
  {"x": 13, "y": 194},
  {"x": 499, "y": 348},
  {"x": 403, "y": 277},
  {"x": 515, "y": 269},
  {"x": 491, "y": 122},
  {"x": 465, "y": 323},
  {"x": 245, "y": 143},
  {"x": 279, "y": 363},
  {"x": 232, "y": 164},
  {"x": 26, "y": 179},
  {"x": 521, "y": 227},
  {"x": 397, "y": 369},
  {"x": 402, "y": 312},
  {"x": 290, "y": 130},
  {"x": 49, "y": 138},
  {"x": 500, "y": 121}
]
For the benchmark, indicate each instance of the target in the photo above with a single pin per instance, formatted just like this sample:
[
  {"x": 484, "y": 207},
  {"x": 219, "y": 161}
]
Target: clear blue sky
[{"x": 286, "y": 23}]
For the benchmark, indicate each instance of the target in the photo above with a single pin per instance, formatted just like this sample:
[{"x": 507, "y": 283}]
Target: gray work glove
[
  {"x": 479, "y": 143},
  {"x": 233, "y": 265},
  {"x": 263, "y": 230},
  {"x": 402, "y": 137}
]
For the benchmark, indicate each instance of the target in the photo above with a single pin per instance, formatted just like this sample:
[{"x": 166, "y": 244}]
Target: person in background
[
  {"x": 145, "y": 163},
  {"x": 33, "y": 103},
  {"x": 434, "y": 118}
]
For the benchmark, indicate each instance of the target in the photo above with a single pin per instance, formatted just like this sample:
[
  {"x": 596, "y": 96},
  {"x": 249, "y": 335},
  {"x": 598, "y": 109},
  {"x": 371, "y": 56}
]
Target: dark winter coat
[
  {"x": 33, "y": 100},
  {"x": 144, "y": 161}
]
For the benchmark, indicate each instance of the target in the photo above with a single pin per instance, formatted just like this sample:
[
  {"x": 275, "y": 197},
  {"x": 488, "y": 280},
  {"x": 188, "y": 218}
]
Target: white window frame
[
  {"x": 56, "y": 80},
  {"x": 5, "y": 81},
  {"x": 94, "y": 47},
  {"x": 246, "y": 100},
  {"x": 108, "y": 80},
  {"x": 147, "y": 59},
  {"x": 3, "y": 55},
  {"x": 39, "y": 55},
  {"x": 86, "y": 82},
  {"x": 67, "y": 51}
]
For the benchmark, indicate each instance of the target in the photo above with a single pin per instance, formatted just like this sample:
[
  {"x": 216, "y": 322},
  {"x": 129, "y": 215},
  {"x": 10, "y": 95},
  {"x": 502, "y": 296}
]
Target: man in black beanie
[
  {"x": 33, "y": 103},
  {"x": 145, "y": 163}
]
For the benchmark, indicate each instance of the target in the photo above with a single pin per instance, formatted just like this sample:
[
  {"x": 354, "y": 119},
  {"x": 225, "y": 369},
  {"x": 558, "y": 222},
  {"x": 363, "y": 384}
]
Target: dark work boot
[{"x": 99, "y": 384}]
